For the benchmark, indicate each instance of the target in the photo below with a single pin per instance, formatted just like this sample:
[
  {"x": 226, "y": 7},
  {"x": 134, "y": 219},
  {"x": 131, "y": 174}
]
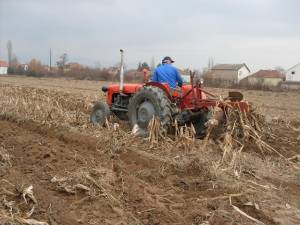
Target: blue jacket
[{"x": 167, "y": 73}]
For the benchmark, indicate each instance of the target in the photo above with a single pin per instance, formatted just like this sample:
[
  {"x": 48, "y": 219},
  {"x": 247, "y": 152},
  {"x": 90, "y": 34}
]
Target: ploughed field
[{"x": 55, "y": 168}]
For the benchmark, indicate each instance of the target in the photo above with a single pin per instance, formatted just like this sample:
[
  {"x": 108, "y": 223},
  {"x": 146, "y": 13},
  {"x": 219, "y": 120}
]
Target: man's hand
[{"x": 178, "y": 89}]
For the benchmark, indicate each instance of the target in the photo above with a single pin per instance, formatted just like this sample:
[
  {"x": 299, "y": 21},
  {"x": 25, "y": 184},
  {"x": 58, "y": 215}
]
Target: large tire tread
[
  {"x": 165, "y": 106},
  {"x": 103, "y": 107}
]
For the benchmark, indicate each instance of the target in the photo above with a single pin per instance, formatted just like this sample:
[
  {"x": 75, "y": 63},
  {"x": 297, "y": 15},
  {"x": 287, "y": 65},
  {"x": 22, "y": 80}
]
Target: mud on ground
[{"x": 90, "y": 175}]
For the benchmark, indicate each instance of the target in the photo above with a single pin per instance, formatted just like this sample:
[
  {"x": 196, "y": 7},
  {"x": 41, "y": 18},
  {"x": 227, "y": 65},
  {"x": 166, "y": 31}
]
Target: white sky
[{"x": 262, "y": 33}]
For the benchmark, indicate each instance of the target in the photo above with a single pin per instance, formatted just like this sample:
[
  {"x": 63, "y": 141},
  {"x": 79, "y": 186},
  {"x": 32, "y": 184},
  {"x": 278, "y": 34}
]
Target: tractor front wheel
[
  {"x": 147, "y": 103},
  {"x": 99, "y": 114}
]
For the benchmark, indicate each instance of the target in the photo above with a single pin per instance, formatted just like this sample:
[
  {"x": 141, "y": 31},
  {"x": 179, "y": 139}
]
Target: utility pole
[
  {"x": 50, "y": 60},
  {"x": 122, "y": 71}
]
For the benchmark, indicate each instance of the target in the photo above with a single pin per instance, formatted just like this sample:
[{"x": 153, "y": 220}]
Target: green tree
[
  {"x": 142, "y": 66},
  {"x": 14, "y": 65},
  {"x": 145, "y": 66}
]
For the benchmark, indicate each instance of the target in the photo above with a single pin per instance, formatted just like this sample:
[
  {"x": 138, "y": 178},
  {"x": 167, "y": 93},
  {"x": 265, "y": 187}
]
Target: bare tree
[
  {"x": 139, "y": 67},
  {"x": 61, "y": 63},
  {"x": 210, "y": 63},
  {"x": 14, "y": 61},
  {"x": 98, "y": 65},
  {"x": 35, "y": 67},
  {"x": 118, "y": 66},
  {"x": 9, "y": 52},
  {"x": 152, "y": 66}
]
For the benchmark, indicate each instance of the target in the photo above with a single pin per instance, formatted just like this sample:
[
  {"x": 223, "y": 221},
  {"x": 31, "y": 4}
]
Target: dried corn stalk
[
  {"x": 10, "y": 210},
  {"x": 241, "y": 129},
  {"x": 156, "y": 131}
]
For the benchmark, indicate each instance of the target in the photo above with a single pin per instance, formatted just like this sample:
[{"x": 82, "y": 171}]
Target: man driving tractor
[
  {"x": 166, "y": 73},
  {"x": 139, "y": 103}
]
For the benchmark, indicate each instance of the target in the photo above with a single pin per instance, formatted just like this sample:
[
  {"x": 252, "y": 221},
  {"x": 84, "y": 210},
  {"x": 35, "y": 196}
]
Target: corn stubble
[
  {"x": 44, "y": 106},
  {"x": 180, "y": 152},
  {"x": 18, "y": 204},
  {"x": 61, "y": 109}
]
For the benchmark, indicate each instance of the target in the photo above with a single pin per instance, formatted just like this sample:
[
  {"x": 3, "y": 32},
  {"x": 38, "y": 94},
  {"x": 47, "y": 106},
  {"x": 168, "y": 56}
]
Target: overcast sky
[{"x": 261, "y": 33}]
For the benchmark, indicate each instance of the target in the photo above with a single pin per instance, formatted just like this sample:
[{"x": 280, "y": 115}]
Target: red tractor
[{"x": 139, "y": 103}]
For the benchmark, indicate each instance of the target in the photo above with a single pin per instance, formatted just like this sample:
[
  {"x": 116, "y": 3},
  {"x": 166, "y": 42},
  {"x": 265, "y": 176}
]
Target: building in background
[
  {"x": 72, "y": 66},
  {"x": 292, "y": 78},
  {"x": 293, "y": 74},
  {"x": 3, "y": 67},
  {"x": 226, "y": 75},
  {"x": 23, "y": 68},
  {"x": 233, "y": 72},
  {"x": 265, "y": 78}
]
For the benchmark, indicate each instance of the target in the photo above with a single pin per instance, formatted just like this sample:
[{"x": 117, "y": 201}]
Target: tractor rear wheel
[
  {"x": 147, "y": 103},
  {"x": 99, "y": 114}
]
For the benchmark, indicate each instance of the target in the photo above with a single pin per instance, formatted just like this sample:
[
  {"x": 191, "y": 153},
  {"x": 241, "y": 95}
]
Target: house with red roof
[
  {"x": 3, "y": 67},
  {"x": 269, "y": 78}
]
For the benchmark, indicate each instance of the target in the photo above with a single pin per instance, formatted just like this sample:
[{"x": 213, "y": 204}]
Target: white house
[
  {"x": 232, "y": 73},
  {"x": 3, "y": 67},
  {"x": 293, "y": 74}
]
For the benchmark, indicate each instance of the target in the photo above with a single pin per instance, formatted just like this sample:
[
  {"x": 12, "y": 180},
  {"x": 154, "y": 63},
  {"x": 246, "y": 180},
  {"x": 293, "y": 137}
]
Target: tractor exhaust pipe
[{"x": 122, "y": 71}]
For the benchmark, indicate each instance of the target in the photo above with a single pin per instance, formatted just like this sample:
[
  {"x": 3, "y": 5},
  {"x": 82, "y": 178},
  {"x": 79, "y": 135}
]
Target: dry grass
[
  {"x": 44, "y": 106},
  {"x": 17, "y": 205},
  {"x": 92, "y": 182},
  {"x": 62, "y": 109},
  {"x": 222, "y": 161},
  {"x": 5, "y": 160}
]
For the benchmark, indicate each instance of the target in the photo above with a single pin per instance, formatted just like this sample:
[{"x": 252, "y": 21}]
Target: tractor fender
[{"x": 161, "y": 86}]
